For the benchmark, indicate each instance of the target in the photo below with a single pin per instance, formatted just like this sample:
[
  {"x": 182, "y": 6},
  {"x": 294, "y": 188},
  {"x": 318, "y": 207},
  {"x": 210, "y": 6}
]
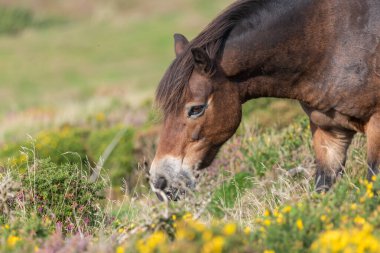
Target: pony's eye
[{"x": 196, "y": 111}]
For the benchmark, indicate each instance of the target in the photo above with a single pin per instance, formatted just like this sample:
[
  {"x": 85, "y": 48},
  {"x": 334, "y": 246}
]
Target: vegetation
[{"x": 73, "y": 102}]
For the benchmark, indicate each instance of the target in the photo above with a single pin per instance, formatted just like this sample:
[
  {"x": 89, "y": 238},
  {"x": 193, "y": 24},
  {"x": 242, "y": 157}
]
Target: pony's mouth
[
  {"x": 174, "y": 190},
  {"x": 171, "y": 194}
]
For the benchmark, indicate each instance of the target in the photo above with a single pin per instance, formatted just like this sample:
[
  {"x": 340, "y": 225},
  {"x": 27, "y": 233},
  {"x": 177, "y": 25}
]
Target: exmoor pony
[{"x": 323, "y": 53}]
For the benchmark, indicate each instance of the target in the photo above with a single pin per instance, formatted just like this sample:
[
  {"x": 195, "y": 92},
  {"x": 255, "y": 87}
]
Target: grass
[
  {"x": 67, "y": 90},
  {"x": 234, "y": 207}
]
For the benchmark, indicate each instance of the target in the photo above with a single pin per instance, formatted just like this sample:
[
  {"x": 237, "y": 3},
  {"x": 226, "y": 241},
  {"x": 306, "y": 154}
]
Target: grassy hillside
[{"x": 127, "y": 47}]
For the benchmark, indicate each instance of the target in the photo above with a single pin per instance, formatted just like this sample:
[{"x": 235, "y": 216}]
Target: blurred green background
[{"x": 54, "y": 52}]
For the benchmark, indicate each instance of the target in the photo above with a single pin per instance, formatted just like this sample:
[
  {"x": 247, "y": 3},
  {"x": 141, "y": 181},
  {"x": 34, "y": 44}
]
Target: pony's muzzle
[{"x": 170, "y": 179}]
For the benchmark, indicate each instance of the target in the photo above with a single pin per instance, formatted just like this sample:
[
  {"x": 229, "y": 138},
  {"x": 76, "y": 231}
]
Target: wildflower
[
  {"x": 287, "y": 209},
  {"x": 344, "y": 218},
  {"x": 184, "y": 234},
  {"x": 174, "y": 217},
  {"x": 269, "y": 251},
  {"x": 121, "y": 230},
  {"x": 215, "y": 245},
  {"x": 120, "y": 249},
  {"x": 280, "y": 219},
  {"x": 373, "y": 178},
  {"x": 299, "y": 224},
  {"x": 100, "y": 117},
  {"x": 353, "y": 240},
  {"x": 247, "y": 230},
  {"x": 12, "y": 240},
  {"x": 353, "y": 207},
  {"x": 188, "y": 216},
  {"x": 323, "y": 218},
  {"x": 198, "y": 226},
  {"x": 229, "y": 229},
  {"x": 359, "y": 220},
  {"x": 207, "y": 235},
  {"x": 151, "y": 243},
  {"x": 266, "y": 213},
  {"x": 267, "y": 223}
]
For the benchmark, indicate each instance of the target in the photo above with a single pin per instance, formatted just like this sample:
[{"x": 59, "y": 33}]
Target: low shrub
[
  {"x": 13, "y": 20},
  {"x": 62, "y": 193}
]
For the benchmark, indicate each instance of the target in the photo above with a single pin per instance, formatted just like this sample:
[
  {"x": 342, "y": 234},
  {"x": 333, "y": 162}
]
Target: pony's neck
[{"x": 271, "y": 55}]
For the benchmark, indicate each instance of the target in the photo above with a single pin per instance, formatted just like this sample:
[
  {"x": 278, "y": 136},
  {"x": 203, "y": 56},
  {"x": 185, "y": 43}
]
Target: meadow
[{"x": 77, "y": 82}]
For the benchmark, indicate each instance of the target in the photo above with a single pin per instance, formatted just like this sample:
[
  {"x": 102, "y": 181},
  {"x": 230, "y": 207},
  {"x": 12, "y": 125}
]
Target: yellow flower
[
  {"x": 100, "y": 117},
  {"x": 344, "y": 218},
  {"x": 188, "y": 216},
  {"x": 151, "y": 243},
  {"x": 247, "y": 230},
  {"x": 12, "y": 240},
  {"x": 287, "y": 209},
  {"x": 198, "y": 226},
  {"x": 353, "y": 207},
  {"x": 267, "y": 223},
  {"x": 353, "y": 240},
  {"x": 121, "y": 230},
  {"x": 215, "y": 245},
  {"x": 280, "y": 219},
  {"x": 299, "y": 224},
  {"x": 269, "y": 251},
  {"x": 174, "y": 217},
  {"x": 323, "y": 218},
  {"x": 266, "y": 213},
  {"x": 359, "y": 220},
  {"x": 229, "y": 229},
  {"x": 184, "y": 234},
  {"x": 120, "y": 249},
  {"x": 207, "y": 235},
  {"x": 373, "y": 178}
]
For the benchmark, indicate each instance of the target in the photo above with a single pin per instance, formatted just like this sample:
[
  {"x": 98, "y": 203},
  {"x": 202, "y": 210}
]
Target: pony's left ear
[
  {"x": 202, "y": 61},
  {"x": 180, "y": 43}
]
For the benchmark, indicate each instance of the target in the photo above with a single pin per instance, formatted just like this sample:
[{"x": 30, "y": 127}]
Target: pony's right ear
[
  {"x": 180, "y": 43},
  {"x": 202, "y": 62}
]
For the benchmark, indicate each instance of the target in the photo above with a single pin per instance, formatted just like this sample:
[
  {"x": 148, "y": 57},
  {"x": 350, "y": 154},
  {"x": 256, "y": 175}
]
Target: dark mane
[{"x": 170, "y": 92}]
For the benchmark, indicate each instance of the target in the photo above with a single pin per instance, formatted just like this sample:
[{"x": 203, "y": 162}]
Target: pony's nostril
[{"x": 161, "y": 183}]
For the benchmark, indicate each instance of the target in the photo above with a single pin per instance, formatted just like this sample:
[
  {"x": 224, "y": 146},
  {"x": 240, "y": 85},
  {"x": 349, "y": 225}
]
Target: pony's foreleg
[
  {"x": 373, "y": 145},
  {"x": 330, "y": 147}
]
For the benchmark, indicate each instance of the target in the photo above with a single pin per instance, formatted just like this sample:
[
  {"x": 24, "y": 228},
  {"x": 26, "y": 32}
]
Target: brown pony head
[{"x": 202, "y": 110}]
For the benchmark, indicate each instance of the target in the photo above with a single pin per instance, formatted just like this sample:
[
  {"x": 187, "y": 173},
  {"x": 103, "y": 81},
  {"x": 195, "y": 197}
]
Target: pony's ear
[
  {"x": 202, "y": 61},
  {"x": 180, "y": 42}
]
